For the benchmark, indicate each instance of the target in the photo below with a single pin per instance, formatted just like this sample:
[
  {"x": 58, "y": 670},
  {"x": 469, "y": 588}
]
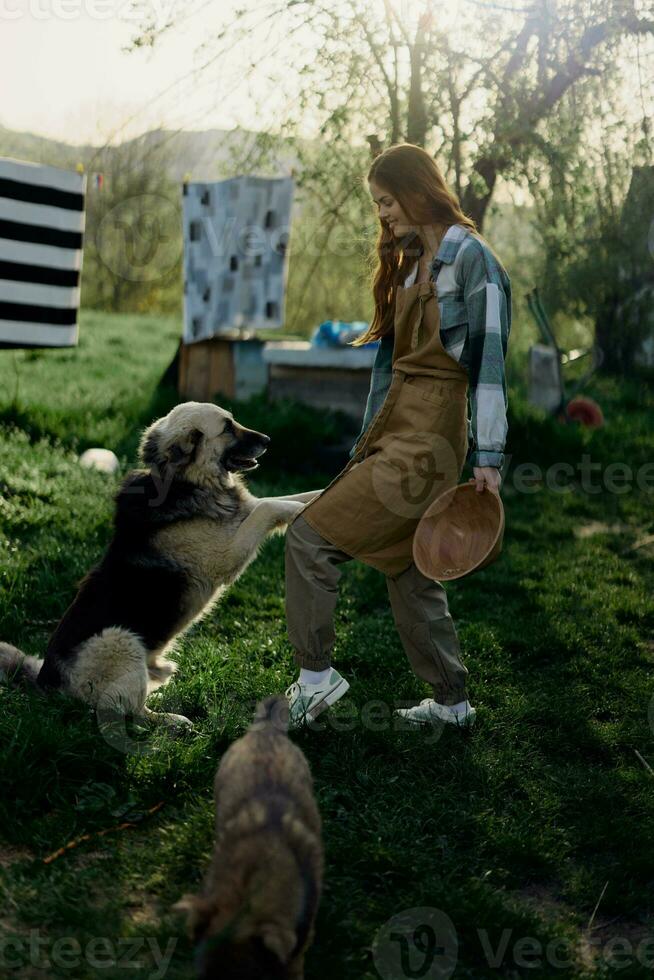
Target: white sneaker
[
  {"x": 429, "y": 711},
  {"x": 307, "y": 701}
]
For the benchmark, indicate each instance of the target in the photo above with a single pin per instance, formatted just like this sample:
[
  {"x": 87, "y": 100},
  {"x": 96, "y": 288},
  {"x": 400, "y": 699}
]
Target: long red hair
[{"x": 414, "y": 179}]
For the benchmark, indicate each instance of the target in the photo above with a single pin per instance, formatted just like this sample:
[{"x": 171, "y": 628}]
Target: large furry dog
[
  {"x": 254, "y": 917},
  {"x": 185, "y": 528}
]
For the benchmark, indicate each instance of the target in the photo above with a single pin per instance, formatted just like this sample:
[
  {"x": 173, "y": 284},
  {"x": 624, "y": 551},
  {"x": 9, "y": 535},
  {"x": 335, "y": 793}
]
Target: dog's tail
[
  {"x": 18, "y": 667},
  {"x": 273, "y": 712}
]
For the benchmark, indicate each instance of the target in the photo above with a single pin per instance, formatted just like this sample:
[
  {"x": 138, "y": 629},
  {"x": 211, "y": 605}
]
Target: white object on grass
[{"x": 100, "y": 459}]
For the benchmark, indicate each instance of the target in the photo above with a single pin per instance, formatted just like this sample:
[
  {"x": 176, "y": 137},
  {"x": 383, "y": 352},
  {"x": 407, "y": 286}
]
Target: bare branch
[{"x": 391, "y": 87}]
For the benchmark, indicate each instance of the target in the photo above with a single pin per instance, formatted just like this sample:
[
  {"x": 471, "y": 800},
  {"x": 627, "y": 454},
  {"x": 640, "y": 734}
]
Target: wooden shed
[{"x": 324, "y": 377}]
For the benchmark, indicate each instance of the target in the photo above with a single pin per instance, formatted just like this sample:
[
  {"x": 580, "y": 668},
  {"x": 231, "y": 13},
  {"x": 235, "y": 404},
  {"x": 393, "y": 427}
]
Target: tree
[
  {"x": 133, "y": 237},
  {"x": 594, "y": 205},
  {"x": 478, "y": 89}
]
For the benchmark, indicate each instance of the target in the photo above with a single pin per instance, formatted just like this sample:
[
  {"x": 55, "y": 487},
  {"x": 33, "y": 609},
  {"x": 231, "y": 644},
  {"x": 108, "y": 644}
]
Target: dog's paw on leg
[{"x": 286, "y": 510}]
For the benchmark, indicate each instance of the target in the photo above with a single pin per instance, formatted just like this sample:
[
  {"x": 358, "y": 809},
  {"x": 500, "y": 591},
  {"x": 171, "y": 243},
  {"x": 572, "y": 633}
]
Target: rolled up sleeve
[{"x": 487, "y": 296}]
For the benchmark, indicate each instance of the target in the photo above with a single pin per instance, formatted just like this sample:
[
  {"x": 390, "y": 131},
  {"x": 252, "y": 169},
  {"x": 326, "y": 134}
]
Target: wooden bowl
[{"x": 460, "y": 532}]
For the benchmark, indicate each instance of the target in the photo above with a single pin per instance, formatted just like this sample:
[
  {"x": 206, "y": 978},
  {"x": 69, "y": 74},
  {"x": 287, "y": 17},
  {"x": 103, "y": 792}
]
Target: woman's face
[{"x": 390, "y": 212}]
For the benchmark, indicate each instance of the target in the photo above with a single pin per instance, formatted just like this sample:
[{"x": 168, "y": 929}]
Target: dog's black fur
[
  {"x": 184, "y": 529},
  {"x": 133, "y": 585}
]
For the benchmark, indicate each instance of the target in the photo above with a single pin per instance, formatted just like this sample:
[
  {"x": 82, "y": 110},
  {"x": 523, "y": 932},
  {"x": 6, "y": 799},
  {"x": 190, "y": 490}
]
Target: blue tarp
[{"x": 338, "y": 333}]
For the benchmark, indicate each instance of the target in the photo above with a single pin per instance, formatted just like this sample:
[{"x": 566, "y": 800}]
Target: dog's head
[
  {"x": 202, "y": 440},
  {"x": 225, "y": 949},
  {"x": 248, "y": 960}
]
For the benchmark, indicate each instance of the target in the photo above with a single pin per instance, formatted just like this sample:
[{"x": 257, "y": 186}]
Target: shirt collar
[
  {"x": 447, "y": 250},
  {"x": 450, "y": 244}
]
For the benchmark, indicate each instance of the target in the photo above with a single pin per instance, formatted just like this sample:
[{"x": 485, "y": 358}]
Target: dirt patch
[
  {"x": 599, "y": 527},
  {"x": 86, "y": 860},
  {"x": 545, "y": 898},
  {"x": 643, "y": 543},
  {"x": 619, "y": 940},
  {"x": 10, "y": 855},
  {"x": 9, "y": 924},
  {"x": 631, "y": 942},
  {"x": 147, "y": 913}
]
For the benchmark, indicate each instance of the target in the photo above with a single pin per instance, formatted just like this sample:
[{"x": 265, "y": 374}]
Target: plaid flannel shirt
[{"x": 474, "y": 299}]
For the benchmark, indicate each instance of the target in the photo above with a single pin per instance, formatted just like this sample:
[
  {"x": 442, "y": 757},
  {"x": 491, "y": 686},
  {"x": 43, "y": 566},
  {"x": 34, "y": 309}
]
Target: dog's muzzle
[{"x": 244, "y": 455}]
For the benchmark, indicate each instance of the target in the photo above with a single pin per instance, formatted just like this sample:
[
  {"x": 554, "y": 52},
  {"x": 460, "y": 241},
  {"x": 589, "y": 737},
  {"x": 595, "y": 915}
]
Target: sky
[
  {"x": 63, "y": 73},
  {"x": 62, "y": 62}
]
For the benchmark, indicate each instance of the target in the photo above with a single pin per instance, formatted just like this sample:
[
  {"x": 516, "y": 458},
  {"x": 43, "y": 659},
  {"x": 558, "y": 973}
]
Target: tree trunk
[
  {"x": 476, "y": 205},
  {"x": 615, "y": 344},
  {"x": 417, "y": 114}
]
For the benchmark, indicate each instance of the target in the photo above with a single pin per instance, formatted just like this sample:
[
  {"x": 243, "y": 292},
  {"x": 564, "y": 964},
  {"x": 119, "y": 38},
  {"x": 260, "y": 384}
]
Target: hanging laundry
[{"x": 42, "y": 220}]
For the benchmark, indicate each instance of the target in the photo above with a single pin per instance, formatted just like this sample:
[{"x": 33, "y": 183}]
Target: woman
[{"x": 440, "y": 336}]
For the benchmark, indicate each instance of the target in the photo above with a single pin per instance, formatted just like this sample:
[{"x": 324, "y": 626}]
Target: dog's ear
[
  {"x": 197, "y": 911},
  {"x": 156, "y": 451},
  {"x": 279, "y": 941},
  {"x": 149, "y": 449},
  {"x": 183, "y": 450}
]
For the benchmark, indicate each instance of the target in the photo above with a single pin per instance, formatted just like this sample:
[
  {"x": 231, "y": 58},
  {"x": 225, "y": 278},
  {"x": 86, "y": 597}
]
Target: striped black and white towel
[{"x": 41, "y": 237}]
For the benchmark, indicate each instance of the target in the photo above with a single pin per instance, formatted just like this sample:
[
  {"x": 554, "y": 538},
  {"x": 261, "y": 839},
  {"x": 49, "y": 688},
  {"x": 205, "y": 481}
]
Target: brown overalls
[{"x": 413, "y": 450}]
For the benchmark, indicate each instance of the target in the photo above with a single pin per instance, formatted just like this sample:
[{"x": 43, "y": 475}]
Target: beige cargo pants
[{"x": 419, "y": 607}]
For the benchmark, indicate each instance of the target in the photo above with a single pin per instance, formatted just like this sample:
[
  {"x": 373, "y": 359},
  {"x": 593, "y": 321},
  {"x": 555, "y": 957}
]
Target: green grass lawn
[{"x": 511, "y": 833}]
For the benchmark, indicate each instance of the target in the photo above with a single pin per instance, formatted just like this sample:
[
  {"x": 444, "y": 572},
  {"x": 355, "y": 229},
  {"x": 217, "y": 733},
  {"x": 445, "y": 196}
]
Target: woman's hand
[{"x": 486, "y": 476}]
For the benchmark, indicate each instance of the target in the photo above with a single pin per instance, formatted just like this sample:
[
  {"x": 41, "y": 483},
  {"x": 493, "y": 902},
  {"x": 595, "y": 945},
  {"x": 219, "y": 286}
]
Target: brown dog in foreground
[{"x": 254, "y": 916}]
